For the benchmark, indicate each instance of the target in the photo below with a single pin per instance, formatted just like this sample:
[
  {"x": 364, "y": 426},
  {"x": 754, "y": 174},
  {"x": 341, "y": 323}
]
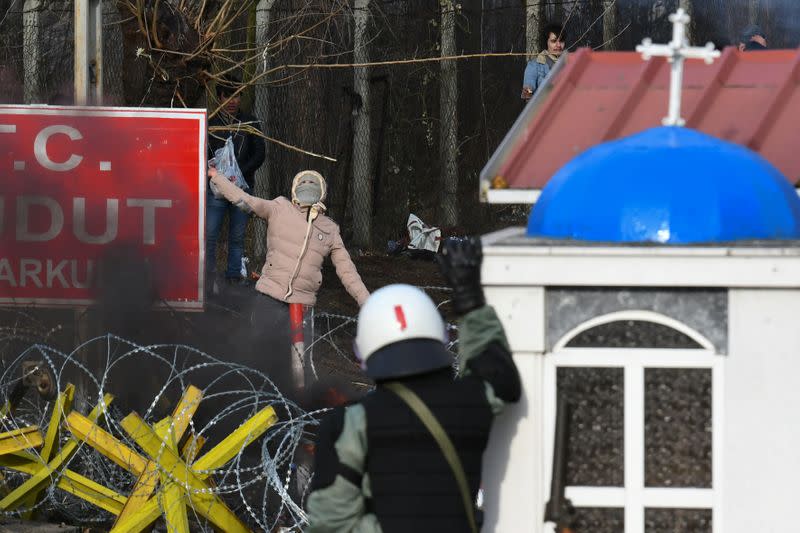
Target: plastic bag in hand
[{"x": 224, "y": 161}]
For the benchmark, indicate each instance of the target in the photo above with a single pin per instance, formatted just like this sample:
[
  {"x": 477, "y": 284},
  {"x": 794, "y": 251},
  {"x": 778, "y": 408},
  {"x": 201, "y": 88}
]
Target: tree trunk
[
  {"x": 688, "y": 6},
  {"x": 533, "y": 17},
  {"x": 753, "y": 11},
  {"x": 248, "y": 97},
  {"x": 610, "y": 27},
  {"x": 261, "y": 111},
  {"x": 448, "y": 118},
  {"x": 362, "y": 141},
  {"x": 31, "y": 51},
  {"x": 113, "y": 54},
  {"x": 560, "y": 12}
]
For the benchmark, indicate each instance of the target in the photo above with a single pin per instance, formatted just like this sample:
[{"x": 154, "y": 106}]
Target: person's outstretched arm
[
  {"x": 346, "y": 270},
  {"x": 238, "y": 197}
]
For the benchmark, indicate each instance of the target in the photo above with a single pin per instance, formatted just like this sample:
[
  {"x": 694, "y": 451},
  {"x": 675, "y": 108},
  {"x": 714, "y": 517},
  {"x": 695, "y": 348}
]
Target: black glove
[{"x": 460, "y": 263}]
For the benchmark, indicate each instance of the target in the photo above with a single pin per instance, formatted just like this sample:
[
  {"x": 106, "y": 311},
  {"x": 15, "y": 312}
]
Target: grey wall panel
[{"x": 704, "y": 310}]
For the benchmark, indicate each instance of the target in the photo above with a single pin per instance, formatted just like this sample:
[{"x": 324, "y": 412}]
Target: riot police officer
[{"x": 407, "y": 457}]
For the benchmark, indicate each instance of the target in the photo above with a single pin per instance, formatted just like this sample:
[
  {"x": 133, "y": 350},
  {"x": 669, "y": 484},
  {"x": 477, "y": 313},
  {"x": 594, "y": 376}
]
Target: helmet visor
[{"x": 408, "y": 358}]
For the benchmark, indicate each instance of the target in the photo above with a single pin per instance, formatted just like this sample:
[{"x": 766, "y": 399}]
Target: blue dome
[{"x": 667, "y": 185}]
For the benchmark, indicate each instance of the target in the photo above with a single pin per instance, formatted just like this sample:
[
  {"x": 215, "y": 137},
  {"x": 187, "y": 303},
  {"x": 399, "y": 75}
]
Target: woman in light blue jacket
[{"x": 552, "y": 45}]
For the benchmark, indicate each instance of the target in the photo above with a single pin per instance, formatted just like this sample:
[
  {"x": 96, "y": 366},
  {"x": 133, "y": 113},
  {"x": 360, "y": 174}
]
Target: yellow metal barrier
[
  {"x": 62, "y": 406},
  {"x": 44, "y": 472},
  {"x": 20, "y": 439},
  {"x": 70, "y": 482},
  {"x": 27, "y": 494},
  {"x": 169, "y": 477},
  {"x": 147, "y": 481},
  {"x": 192, "y": 483}
]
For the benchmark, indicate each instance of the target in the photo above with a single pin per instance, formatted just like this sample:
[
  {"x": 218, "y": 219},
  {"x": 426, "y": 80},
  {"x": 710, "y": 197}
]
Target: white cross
[{"x": 676, "y": 52}]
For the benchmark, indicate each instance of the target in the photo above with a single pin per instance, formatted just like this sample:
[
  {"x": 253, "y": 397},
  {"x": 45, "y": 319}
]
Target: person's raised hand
[{"x": 460, "y": 263}]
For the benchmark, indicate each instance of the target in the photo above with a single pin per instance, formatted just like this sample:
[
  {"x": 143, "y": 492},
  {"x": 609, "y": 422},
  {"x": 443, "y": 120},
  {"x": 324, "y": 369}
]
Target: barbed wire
[
  {"x": 256, "y": 483},
  {"x": 265, "y": 483}
]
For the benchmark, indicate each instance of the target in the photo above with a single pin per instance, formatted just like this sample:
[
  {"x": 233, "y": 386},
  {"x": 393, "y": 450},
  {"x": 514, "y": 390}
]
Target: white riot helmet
[
  {"x": 400, "y": 333},
  {"x": 308, "y": 188}
]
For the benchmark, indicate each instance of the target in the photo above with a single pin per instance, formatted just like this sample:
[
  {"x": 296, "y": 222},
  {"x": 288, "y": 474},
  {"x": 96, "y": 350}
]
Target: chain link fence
[
  {"x": 113, "y": 56},
  {"x": 40, "y": 50},
  {"x": 261, "y": 110},
  {"x": 37, "y": 52}
]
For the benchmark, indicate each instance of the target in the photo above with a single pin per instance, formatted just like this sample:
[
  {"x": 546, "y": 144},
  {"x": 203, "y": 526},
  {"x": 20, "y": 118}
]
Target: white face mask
[
  {"x": 308, "y": 188},
  {"x": 308, "y": 192}
]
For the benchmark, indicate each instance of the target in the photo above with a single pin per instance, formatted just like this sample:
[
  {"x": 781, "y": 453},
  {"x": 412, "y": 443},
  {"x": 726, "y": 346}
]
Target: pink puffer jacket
[{"x": 286, "y": 231}]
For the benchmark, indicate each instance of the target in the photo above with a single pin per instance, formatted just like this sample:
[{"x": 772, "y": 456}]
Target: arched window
[
  {"x": 644, "y": 427},
  {"x": 634, "y": 329},
  {"x": 633, "y": 334}
]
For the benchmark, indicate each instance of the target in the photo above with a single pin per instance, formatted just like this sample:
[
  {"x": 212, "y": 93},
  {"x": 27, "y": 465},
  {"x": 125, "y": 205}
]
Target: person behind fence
[
  {"x": 752, "y": 38},
  {"x": 407, "y": 457},
  {"x": 242, "y": 128},
  {"x": 299, "y": 238},
  {"x": 551, "y": 44}
]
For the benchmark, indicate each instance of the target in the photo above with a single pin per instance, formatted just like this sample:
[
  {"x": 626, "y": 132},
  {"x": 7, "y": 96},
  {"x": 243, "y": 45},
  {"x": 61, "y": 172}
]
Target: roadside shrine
[{"x": 655, "y": 289}]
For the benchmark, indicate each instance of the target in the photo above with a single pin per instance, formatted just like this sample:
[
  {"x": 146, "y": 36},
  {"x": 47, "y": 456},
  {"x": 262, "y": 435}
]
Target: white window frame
[{"x": 634, "y": 497}]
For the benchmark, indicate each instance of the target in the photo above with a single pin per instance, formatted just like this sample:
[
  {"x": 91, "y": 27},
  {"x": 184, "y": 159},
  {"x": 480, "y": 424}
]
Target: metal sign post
[{"x": 88, "y": 52}]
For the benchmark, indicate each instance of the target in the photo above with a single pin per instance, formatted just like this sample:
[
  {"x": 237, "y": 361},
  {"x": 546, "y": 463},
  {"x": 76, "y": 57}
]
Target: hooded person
[
  {"x": 299, "y": 238},
  {"x": 407, "y": 457}
]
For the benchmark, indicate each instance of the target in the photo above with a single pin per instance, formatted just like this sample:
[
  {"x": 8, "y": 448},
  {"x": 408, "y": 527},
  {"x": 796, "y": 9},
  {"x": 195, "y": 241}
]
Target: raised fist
[{"x": 460, "y": 263}]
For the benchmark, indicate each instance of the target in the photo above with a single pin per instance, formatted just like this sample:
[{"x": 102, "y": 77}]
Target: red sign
[{"x": 78, "y": 185}]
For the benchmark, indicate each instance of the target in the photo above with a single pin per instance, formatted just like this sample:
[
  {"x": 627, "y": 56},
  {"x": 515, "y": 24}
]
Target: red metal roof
[{"x": 750, "y": 98}]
